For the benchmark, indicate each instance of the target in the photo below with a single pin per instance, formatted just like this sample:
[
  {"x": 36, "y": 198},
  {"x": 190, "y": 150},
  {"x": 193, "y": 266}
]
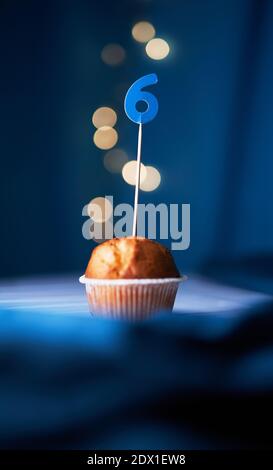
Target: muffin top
[{"x": 131, "y": 258}]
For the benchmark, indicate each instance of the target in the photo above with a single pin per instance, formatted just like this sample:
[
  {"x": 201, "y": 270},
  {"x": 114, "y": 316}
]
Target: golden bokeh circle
[
  {"x": 143, "y": 31},
  {"x": 105, "y": 137},
  {"x": 100, "y": 209},
  {"x": 152, "y": 179},
  {"x": 129, "y": 172},
  {"x": 104, "y": 116},
  {"x": 157, "y": 49}
]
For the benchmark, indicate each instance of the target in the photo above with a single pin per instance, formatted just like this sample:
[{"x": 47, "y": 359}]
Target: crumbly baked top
[{"x": 131, "y": 258}]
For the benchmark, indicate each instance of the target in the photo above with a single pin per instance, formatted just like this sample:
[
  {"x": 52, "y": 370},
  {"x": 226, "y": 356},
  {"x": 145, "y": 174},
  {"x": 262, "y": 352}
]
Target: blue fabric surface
[{"x": 186, "y": 381}]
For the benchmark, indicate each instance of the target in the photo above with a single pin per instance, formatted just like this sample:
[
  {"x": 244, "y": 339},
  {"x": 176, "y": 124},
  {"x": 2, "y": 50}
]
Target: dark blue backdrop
[
  {"x": 198, "y": 380},
  {"x": 212, "y": 139}
]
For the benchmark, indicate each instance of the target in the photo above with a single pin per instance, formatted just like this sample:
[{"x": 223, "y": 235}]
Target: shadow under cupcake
[{"x": 130, "y": 277}]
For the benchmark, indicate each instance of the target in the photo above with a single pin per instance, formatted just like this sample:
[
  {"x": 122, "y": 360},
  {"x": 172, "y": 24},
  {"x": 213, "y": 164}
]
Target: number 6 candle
[{"x": 134, "y": 95}]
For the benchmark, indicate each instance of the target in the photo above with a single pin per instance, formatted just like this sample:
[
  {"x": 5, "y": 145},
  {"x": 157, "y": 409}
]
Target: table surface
[
  {"x": 65, "y": 295},
  {"x": 71, "y": 382}
]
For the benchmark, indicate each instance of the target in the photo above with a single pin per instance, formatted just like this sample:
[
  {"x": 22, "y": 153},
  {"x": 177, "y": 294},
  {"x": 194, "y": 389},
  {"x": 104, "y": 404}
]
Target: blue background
[
  {"x": 211, "y": 140},
  {"x": 198, "y": 379}
]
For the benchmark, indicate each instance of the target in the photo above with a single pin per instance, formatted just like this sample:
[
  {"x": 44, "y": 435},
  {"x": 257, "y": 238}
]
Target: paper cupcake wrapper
[{"x": 130, "y": 298}]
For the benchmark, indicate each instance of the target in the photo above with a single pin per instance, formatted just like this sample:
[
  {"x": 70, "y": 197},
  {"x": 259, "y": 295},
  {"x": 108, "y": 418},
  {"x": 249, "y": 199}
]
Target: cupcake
[{"x": 130, "y": 277}]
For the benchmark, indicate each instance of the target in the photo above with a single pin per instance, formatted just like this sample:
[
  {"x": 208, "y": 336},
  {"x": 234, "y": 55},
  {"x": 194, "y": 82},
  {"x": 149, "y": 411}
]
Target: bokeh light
[
  {"x": 100, "y": 209},
  {"x": 157, "y": 49},
  {"x": 113, "y": 54},
  {"x": 114, "y": 160},
  {"x": 143, "y": 31},
  {"x": 105, "y": 137},
  {"x": 129, "y": 172},
  {"x": 152, "y": 179},
  {"x": 104, "y": 116}
]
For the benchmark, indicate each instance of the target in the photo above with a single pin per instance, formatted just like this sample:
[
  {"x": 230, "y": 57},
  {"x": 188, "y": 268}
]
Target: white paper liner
[{"x": 130, "y": 298}]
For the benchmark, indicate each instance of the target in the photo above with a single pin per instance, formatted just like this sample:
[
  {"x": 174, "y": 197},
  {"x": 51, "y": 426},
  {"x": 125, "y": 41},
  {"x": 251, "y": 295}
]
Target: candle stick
[
  {"x": 139, "y": 141},
  {"x": 135, "y": 95}
]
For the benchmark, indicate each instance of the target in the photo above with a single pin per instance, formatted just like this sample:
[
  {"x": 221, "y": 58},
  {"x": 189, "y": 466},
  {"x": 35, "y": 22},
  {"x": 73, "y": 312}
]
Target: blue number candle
[{"x": 134, "y": 95}]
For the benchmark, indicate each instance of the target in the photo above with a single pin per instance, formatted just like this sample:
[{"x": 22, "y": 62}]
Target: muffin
[
  {"x": 130, "y": 277},
  {"x": 131, "y": 258}
]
